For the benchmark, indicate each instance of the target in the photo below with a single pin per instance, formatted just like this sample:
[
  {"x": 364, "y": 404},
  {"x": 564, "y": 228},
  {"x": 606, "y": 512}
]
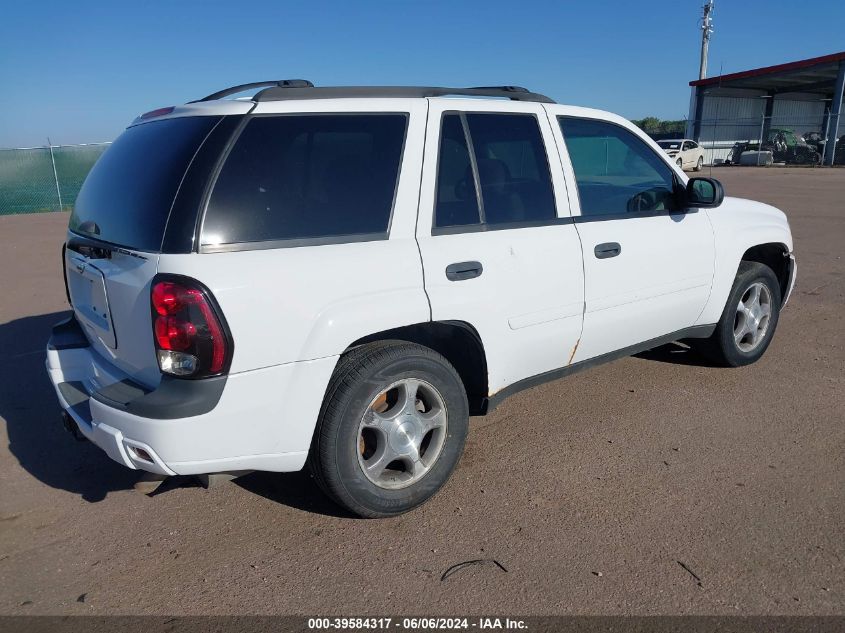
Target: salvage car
[
  {"x": 337, "y": 278},
  {"x": 685, "y": 152},
  {"x": 785, "y": 146},
  {"x": 816, "y": 138}
]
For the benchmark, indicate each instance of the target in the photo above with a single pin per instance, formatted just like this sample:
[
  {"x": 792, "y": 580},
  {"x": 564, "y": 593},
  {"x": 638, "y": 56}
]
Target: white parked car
[
  {"x": 686, "y": 153},
  {"x": 340, "y": 277}
]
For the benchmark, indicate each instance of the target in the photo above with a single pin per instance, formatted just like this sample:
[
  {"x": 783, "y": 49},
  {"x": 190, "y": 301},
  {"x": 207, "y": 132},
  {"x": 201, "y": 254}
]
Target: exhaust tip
[
  {"x": 71, "y": 427},
  {"x": 141, "y": 454}
]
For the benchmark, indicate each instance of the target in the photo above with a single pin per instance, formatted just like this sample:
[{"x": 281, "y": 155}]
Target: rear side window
[
  {"x": 294, "y": 177},
  {"x": 615, "y": 170},
  {"x": 457, "y": 199},
  {"x": 127, "y": 196},
  {"x": 508, "y": 163},
  {"x": 512, "y": 168}
]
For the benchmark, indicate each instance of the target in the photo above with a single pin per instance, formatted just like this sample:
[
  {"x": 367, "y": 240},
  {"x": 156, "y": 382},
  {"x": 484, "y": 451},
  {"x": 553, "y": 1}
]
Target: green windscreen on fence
[{"x": 28, "y": 182}]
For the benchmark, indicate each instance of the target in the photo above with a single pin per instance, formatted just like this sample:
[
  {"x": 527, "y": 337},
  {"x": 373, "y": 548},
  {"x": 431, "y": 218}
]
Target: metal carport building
[{"x": 804, "y": 96}]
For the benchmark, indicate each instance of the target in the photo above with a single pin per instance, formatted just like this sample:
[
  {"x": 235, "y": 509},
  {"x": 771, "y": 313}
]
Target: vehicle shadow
[
  {"x": 42, "y": 446},
  {"x": 676, "y": 354},
  {"x": 297, "y": 490},
  {"x": 29, "y": 407}
]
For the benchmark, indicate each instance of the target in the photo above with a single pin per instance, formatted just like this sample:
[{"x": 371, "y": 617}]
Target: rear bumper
[{"x": 256, "y": 420}]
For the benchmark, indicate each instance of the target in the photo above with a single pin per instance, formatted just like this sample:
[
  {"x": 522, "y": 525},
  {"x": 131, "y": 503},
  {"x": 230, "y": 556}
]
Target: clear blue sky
[{"x": 79, "y": 71}]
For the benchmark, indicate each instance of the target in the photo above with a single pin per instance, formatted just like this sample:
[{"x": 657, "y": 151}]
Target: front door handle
[
  {"x": 608, "y": 249},
  {"x": 463, "y": 270}
]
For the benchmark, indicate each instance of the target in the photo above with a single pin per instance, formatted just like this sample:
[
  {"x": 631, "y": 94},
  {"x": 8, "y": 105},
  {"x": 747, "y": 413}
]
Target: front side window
[
  {"x": 508, "y": 162},
  {"x": 616, "y": 172},
  {"x": 292, "y": 177}
]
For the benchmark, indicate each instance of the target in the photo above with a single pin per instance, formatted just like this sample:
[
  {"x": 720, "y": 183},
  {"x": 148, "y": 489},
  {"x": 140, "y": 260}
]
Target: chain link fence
[
  {"x": 38, "y": 179},
  {"x": 737, "y": 126},
  {"x": 769, "y": 140}
]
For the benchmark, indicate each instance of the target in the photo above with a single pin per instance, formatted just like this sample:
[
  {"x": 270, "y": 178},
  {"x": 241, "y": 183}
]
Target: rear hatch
[{"x": 116, "y": 233}]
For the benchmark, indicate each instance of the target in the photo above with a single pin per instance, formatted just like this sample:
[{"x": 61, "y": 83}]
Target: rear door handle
[
  {"x": 608, "y": 249},
  {"x": 463, "y": 270}
]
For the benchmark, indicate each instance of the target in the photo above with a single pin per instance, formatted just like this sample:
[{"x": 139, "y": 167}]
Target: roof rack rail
[
  {"x": 279, "y": 83},
  {"x": 284, "y": 92}
]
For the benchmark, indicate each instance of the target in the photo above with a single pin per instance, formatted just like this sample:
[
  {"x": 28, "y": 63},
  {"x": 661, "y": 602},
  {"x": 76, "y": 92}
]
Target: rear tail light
[{"x": 191, "y": 337}]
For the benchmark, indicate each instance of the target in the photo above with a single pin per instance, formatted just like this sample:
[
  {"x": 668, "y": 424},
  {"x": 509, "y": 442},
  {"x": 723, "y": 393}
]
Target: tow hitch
[{"x": 72, "y": 428}]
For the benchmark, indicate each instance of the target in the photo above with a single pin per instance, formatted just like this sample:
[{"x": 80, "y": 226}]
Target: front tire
[
  {"x": 680, "y": 164},
  {"x": 749, "y": 319},
  {"x": 392, "y": 428}
]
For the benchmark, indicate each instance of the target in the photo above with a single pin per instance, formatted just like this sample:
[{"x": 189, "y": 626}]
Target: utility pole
[{"x": 706, "y": 30}]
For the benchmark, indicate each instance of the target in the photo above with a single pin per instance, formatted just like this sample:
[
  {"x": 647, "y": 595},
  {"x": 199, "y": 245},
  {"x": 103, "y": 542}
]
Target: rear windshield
[{"x": 127, "y": 196}]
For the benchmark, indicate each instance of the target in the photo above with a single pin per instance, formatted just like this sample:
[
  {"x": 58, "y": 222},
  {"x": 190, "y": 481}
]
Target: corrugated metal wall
[
  {"x": 726, "y": 118},
  {"x": 799, "y": 116}
]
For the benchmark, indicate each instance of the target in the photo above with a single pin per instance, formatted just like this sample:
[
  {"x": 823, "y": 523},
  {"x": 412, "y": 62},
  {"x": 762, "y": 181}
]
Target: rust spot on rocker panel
[{"x": 574, "y": 349}]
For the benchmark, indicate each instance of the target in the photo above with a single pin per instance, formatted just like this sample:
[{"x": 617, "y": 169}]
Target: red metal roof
[{"x": 804, "y": 63}]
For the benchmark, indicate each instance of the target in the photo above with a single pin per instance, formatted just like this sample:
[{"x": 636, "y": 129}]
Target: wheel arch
[
  {"x": 775, "y": 255},
  {"x": 458, "y": 342},
  {"x": 746, "y": 230}
]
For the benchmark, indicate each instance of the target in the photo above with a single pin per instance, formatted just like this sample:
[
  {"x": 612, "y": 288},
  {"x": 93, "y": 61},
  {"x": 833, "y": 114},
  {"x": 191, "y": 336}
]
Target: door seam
[
  {"x": 419, "y": 203},
  {"x": 552, "y": 121}
]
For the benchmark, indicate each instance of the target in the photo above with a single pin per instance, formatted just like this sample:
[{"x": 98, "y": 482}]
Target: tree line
[{"x": 653, "y": 125}]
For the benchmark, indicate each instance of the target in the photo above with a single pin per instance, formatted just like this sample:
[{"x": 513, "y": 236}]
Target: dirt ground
[{"x": 653, "y": 485}]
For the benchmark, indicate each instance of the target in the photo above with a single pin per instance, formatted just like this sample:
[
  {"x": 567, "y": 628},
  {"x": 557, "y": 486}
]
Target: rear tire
[
  {"x": 391, "y": 430},
  {"x": 749, "y": 319},
  {"x": 700, "y": 164}
]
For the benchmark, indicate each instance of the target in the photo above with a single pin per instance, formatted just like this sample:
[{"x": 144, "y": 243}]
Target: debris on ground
[
  {"x": 691, "y": 573},
  {"x": 469, "y": 563}
]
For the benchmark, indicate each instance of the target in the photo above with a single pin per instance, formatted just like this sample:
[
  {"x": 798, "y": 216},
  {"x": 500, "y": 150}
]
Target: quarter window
[
  {"x": 307, "y": 176},
  {"x": 616, "y": 171},
  {"x": 508, "y": 163}
]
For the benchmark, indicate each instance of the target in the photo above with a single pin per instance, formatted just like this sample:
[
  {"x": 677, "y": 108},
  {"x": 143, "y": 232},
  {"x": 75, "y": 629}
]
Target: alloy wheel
[
  {"x": 402, "y": 433},
  {"x": 753, "y": 314}
]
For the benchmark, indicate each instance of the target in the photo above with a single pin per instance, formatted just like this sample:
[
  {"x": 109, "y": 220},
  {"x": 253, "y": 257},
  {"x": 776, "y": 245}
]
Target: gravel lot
[{"x": 608, "y": 492}]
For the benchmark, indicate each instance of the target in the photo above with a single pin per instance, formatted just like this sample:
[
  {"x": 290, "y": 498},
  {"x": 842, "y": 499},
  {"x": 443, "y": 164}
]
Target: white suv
[{"x": 340, "y": 277}]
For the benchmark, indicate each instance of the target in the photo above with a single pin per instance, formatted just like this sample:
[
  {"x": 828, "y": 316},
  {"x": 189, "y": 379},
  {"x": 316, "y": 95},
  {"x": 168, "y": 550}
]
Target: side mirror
[{"x": 705, "y": 193}]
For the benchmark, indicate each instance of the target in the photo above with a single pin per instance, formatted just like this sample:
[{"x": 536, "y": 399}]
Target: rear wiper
[
  {"x": 89, "y": 248},
  {"x": 95, "y": 249},
  {"x": 90, "y": 227}
]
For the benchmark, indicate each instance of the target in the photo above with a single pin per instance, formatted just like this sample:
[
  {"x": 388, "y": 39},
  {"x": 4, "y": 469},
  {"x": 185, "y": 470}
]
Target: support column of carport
[
  {"x": 693, "y": 130},
  {"x": 768, "y": 112},
  {"x": 694, "y": 123},
  {"x": 835, "y": 116}
]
